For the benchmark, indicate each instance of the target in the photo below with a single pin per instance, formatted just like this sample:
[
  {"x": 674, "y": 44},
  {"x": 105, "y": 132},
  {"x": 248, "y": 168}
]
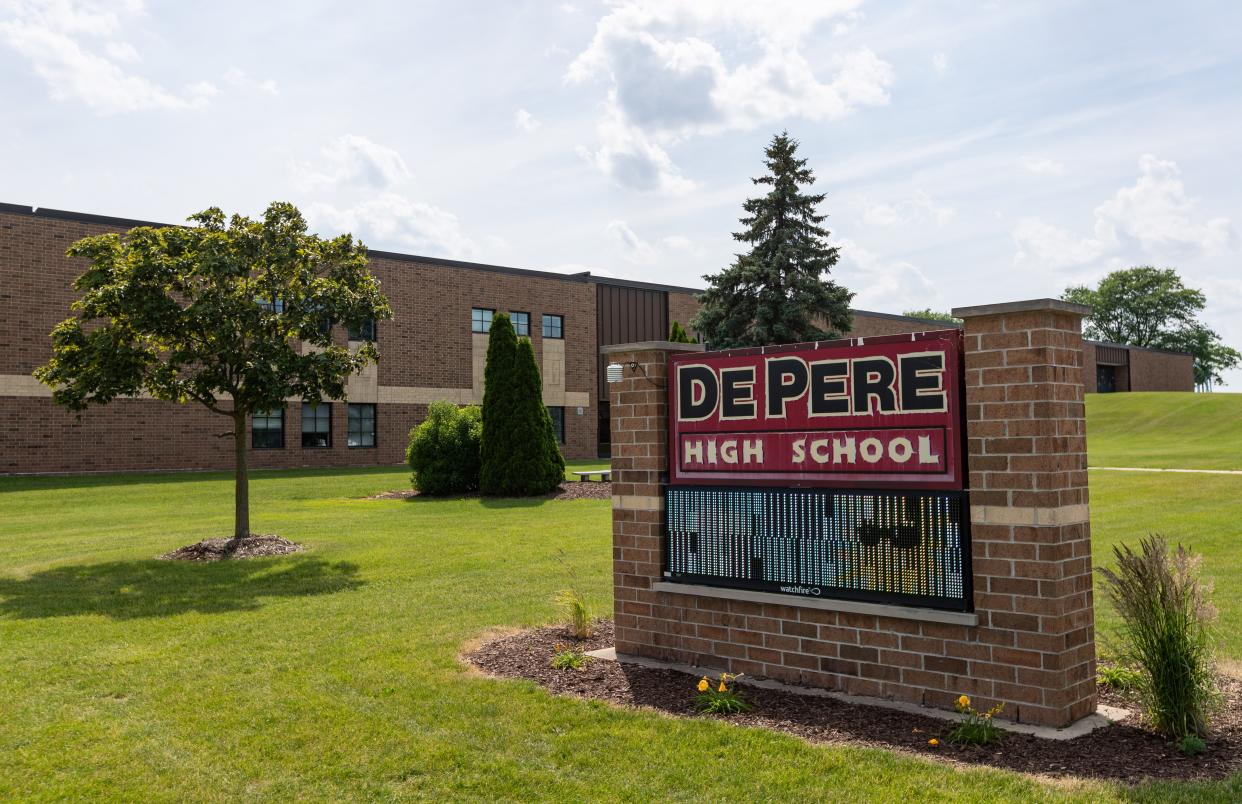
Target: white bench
[{"x": 604, "y": 474}]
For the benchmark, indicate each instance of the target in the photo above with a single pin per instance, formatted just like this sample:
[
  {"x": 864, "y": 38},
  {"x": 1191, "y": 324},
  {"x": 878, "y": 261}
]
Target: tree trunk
[{"x": 241, "y": 517}]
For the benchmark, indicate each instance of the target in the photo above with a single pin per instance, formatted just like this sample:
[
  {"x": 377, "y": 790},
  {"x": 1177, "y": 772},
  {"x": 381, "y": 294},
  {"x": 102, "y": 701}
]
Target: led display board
[
  {"x": 909, "y": 549},
  {"x": 829, "y": 470}
]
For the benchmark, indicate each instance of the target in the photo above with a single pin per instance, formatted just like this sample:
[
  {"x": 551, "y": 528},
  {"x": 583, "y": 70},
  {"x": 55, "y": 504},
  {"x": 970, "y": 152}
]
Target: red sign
[{"x": 863, "y": 413}]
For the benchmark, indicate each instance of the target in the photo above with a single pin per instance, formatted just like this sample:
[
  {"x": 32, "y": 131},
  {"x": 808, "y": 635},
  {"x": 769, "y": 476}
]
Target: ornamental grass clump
[
  {"x": 976, "y": 728},
  {"x": 1166, "y": 627},
  {"x": 580, "y": 624},
  {"x": 720, "y": 697},
  {"x": 568, "y": 658}
]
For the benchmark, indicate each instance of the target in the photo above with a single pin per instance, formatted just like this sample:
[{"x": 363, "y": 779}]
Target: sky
[{"x": 971, "y": 152}]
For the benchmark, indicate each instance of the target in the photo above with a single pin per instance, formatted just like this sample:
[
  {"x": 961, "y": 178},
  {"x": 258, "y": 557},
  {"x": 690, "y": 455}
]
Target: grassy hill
[{"x": 1165, "y": 430}]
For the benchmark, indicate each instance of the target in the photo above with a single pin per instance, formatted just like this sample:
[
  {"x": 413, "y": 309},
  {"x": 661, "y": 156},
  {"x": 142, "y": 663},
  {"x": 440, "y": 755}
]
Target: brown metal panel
[{"x": 628, "y": 315}]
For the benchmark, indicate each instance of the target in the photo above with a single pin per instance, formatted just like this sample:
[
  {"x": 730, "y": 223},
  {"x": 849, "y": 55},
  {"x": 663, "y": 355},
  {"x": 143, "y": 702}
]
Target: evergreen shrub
[{"x": 444, "y": 450}]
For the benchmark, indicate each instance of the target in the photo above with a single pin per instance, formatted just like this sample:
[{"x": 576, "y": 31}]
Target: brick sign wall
[{"x": 1029, "y": 640}]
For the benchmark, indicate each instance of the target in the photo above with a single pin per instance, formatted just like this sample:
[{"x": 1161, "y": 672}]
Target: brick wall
[
  {"x": 871, "y": 325},
  {"x": 682, "y": 307},
  {"x": 427, "y": 346},
  {"x": 1030, "y": 641},
  {"x": 1154, "y": 370}
]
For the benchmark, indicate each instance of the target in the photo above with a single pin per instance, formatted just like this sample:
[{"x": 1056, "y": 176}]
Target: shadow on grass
[
  {"x": 126, "y": 590},
  {"x": 103, "y": 479}
]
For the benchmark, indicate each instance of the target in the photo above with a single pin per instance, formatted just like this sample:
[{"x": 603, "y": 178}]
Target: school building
[{"x": 433, "y": 349}]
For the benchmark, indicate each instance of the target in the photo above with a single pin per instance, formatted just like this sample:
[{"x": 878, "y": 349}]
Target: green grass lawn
[
  {"x": 1166, "y": 431},
  {"x": 333, "y": 674}
]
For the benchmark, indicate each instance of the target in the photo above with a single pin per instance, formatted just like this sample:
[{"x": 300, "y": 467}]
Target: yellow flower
[
  {"x": 703, "y": 685},
  {"x": 963, "y": 702},
  {"x": 723, "y": 688},
  {"x": 933, "y": 741}
]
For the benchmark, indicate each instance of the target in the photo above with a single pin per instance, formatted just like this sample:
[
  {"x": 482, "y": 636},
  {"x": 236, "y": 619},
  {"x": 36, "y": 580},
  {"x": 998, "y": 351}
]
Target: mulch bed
[
  {"x": 1124, "y": 751},
  {"x": 253, "y": 546},
  {"x": 575, "y": 490}
]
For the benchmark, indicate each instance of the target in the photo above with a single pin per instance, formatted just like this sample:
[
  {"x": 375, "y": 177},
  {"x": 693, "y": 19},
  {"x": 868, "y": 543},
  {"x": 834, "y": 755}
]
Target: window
[
  {"x": 267, "y": 429},
  {"x": 273, "y": 305},
  {"x": 364, "y": 333},
  {"x": 553, "y": 326},
  {"x": 481, "y": 320},
  {"x": 521, "y": 324},
  {"x": 361, "y": 426},
  {"x": 316, "y": 425},
  {"x": 558, "y": 423}
]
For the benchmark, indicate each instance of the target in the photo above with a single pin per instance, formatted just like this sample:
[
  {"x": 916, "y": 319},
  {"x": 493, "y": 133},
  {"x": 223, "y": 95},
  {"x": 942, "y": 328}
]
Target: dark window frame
[
  {"x": 267, "y": 416},
  {"x": 558, "y": 427},
  {"x": 349, "y": 425},
  {"x": 317, "y": 416},
  {"x": 483, "y": 327},
  {"x": 559, "y": 327},
  {"x": 513, "y": 313},
  {"x": 368, "y": 333}
]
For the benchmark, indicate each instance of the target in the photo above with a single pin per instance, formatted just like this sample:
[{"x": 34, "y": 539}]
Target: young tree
[
  {"x": 1148, "y": 306},
  {"x": 777, "y": 292},
  {"x": 218, "y": 314},
  {"x": 520, "y": 456}
]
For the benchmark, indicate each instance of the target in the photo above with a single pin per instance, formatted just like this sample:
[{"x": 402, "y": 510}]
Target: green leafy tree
[
  {"x": 677, "y": 334},
  {"x": 1140, "y": 306},
  {"x": 777, "y": 292},
  {"x": 932, "y": 315},
  {"x": 217, "y": 314},
  {"x": 1147, "y": 306},
  {"x": 444, "y": 449},
  {"x": 520, "y": 456}
]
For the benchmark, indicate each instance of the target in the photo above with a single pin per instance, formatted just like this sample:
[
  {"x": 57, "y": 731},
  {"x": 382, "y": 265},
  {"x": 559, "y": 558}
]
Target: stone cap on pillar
[
  {"x": 651, "y": 346},
  {"x": 1028, "y": 306}
]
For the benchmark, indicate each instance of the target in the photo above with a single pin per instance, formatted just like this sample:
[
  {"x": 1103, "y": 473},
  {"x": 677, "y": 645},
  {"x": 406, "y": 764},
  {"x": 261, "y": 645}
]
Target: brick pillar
[
  {"x": 1031, "y": 537},
  {"x": 638, "y": 406}
]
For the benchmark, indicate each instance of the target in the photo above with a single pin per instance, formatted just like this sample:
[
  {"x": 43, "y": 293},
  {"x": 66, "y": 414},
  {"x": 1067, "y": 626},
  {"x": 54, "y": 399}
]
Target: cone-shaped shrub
[
  {"x": 520, "y": 456},
  {"x": 677, "y": 334},
  {"x": 444, "y": 450}
]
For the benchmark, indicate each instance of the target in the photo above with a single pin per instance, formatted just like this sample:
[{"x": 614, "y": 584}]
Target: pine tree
[
  {"x": 777, "y": 292},
  {"x": 497, "y": 444}
]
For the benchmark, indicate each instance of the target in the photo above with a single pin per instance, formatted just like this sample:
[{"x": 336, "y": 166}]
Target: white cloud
[
  {"x": 525, "y": 121},
  {"x": 631, "y": 246},
  {"x": 393, "y": 220},
  {"x": 61, "y": 41},
  {"x": 568, "y": 8},
  {"x": 634, "y": 161},
  {"x": 122, "y": 51},
  {"x": 1157, "y": 212},
  {"x": 354, "y": 160},
  {"x": 883, "y": 285},
  {"x": 642, "y": 252},
  {"x": 1043, "y": 165},
  {"x": 919, "y": 208},
  {"x": 940, "y": 63},
  {"x": 667, "y": 82},
  {"x": 240, "y": 79},
  {"x": 1154, "y": 218}
]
